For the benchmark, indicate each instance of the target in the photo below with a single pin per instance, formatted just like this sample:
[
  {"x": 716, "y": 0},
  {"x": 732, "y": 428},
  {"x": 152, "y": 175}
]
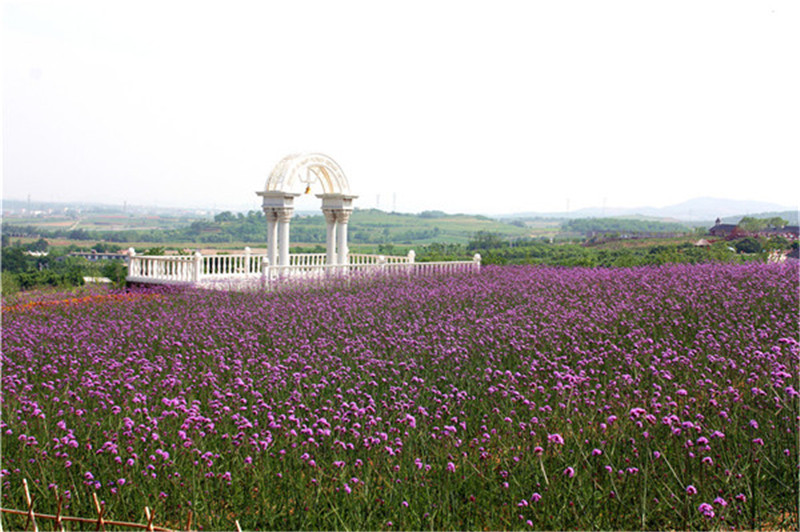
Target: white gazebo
[
  {"x": 307, "y": 170},
  {"x": 303, "y": 172}
]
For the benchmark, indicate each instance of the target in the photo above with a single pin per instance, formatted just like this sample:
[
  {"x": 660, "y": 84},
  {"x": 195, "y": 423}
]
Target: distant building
[
  {"x": 790, "y": 232},
  {"x": 94, "y": 256},
  {"x": 723, "y": 230}
]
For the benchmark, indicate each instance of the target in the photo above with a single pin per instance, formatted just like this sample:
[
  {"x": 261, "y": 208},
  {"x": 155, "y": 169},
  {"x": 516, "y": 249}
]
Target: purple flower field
[{"x": 520, "y": 398}]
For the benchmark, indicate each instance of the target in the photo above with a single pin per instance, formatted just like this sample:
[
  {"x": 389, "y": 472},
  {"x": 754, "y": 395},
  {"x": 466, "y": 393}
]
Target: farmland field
[{"x": 519, "y": 398}]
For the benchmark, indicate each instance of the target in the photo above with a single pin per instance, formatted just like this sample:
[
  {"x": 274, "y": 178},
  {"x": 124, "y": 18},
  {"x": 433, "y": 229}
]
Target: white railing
[
  {"x": 227, "y": 265},
  {"x": 357, "y": 259},
  {"x": 254, "y": 269},
  {"x": 308, "y": 259},
  {"x": 171, "y": 270}
]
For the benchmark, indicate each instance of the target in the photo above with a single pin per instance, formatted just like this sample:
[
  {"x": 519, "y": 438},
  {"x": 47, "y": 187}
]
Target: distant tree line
[
  {"x": 227, "y": 227},
  {"x": 622, "y": 226},
  {"x": 496, "y": 250},
  {"x": 754, "y": 225},
  {"x": 22, "y": 270}
]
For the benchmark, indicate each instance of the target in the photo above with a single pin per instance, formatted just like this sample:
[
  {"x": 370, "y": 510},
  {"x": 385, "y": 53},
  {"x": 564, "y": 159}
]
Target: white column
[
  {"x": 272, "y": 234},
  {"x": 330, "y": 240},
  {"x": 264, "y": 272},
  {"x": 342, "y": 217},
  {"x": 284, "y": 217}
]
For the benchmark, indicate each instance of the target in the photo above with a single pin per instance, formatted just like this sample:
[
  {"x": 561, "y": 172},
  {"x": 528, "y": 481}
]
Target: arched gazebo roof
[{"x": 307, "y": 168}]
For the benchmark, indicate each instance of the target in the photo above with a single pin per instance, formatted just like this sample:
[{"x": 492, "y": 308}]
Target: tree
[
  {"x": 14, "y": 259},
  {"x": 753, "y": 225},
  {"x": 748, "y": 245},
  {"x": 777, "y": 222},
  {"x": 79, "y": 234},
  {"x": 226, "y": 216},
  {"x": 116, "y": 271},
  {"x": 486, "y": 240},
  {"x": 39, "y": 245}
]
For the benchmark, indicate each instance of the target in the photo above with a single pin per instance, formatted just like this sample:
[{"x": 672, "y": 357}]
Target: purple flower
[
  {"x": 569, "y": 472},
  {"x": 637, "y": 412},
  {"x": 691, "y": 490},
  {"x": 536, "y": 497},
  {"x": 707, "y": 510},
  {"x": 451, "y": 467},
  {"x": 555, "y": 438}
]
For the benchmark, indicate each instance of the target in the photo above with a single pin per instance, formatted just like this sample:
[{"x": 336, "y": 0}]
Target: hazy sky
[{"x": 485, "y": 107}]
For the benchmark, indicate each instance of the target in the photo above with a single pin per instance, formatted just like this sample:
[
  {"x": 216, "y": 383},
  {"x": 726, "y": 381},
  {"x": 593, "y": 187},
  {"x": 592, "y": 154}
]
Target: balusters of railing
[{"x": 302, "y": 266}]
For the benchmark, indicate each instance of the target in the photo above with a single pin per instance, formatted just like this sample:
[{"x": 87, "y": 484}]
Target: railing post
[
  {"x": 412, "y": 257},
  {"x": 476, "y": 260},
  {"x": 247, "y": 253},
  {"x": 198, "y": 266},
  {"x": 131, "y": 261}
]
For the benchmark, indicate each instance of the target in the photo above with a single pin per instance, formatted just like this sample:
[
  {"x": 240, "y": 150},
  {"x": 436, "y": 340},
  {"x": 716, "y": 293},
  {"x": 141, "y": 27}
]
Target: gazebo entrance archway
[{"x": 305, "y": 170}]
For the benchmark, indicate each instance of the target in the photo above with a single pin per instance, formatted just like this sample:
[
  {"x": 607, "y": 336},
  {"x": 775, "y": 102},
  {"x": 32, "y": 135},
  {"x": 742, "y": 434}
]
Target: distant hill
[
  {"x": 373, "y": 226},
  {"x": 790, "y": 216},
  {"x": 697, "y": 209}
]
